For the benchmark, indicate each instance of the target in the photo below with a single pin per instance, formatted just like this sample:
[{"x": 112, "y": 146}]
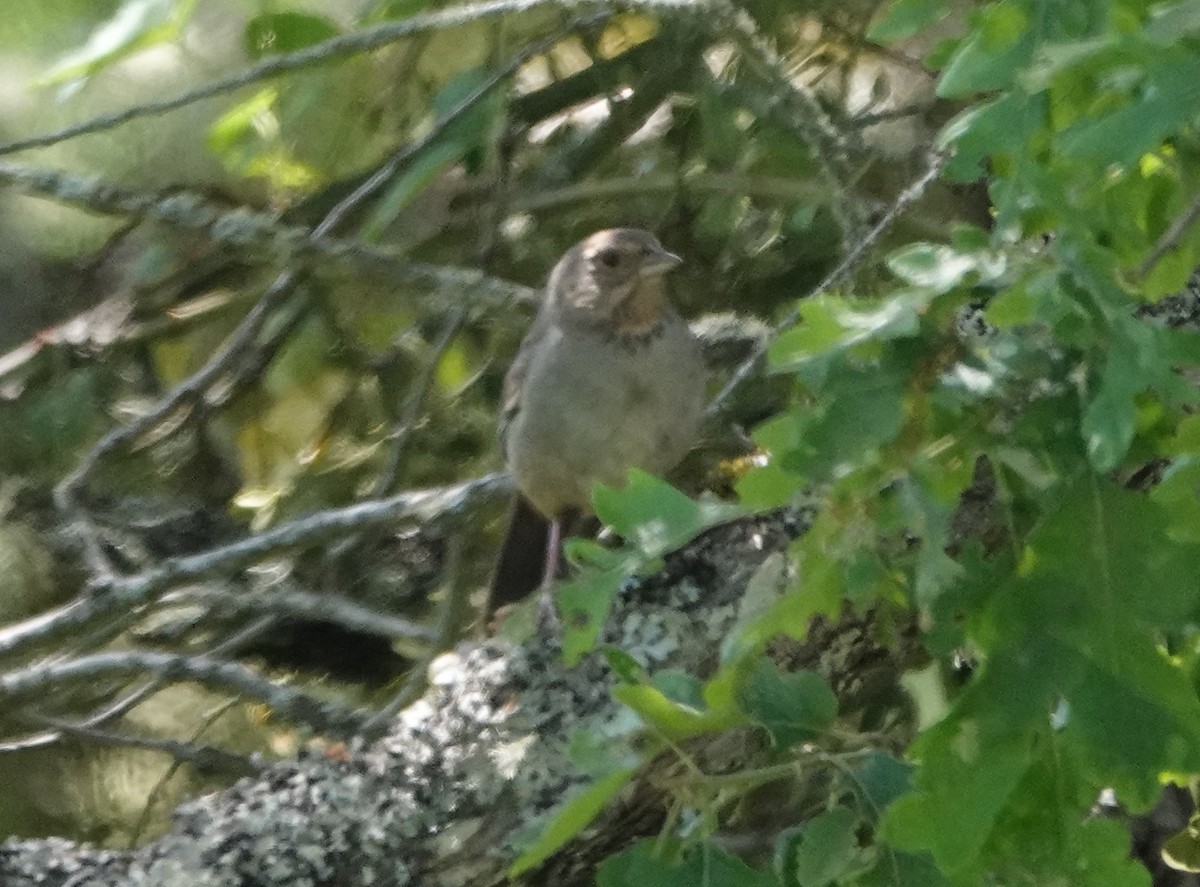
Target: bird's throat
[{"x": 641, "y": 312}]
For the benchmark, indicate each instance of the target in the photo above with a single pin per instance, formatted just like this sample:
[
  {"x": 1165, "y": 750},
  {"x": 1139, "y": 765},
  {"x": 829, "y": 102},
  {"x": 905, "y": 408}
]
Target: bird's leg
[
  {"x": 553, "y": 544},
  {"x": 547, "y": 613}
]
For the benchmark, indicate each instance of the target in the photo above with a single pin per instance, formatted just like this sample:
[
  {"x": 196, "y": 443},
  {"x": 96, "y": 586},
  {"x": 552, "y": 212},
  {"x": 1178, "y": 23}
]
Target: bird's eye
[{"x": 610, "y": 258}]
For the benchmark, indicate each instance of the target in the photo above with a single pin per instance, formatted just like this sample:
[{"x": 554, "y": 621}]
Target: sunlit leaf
[
  {"x": 280, "y": 32},
  {"x": 570, "y": 818},
  {"x": 135, "y": 25}
]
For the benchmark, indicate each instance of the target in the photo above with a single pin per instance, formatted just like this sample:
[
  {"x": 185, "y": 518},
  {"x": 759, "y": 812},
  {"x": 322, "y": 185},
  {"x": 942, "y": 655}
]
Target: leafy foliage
[
  {"x": 1012, "y": 357},
  {"x": 1016, "y": 358}
]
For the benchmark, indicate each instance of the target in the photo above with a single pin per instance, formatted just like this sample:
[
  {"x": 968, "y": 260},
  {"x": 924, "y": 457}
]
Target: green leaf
[
  {"x": 655, "y": 516},
  {"x": 704, "y": 866},
  {"x": 41, "y": 432},
  {"x": 237, "y": 125},
  {"x": 830, "y": 326},
  {"x": 570, "y": 818},
  {"x": 1046, "y": 836},
  {"x": 1135, "y": 714},
  {"x": 275, "y": 33},
  {"x": 405, "y": 189},
  {"x": 940, "y": 267},
  {"x": 819, "y": 852},
  {"x": 1176, "y": 496},
  {"x": 767, "y": 486},
  {"x": 1012, "y": 307},
  {"x": 598, "y": 754},
  {"x": 674, "y": 720},
  {"x": 1170, "y": 21},
  {"x": 983, "y": 132},
  {"x": 1181, "y": 851},
  {"x": 1108, "y": 421},
  {"x": 897, "y": 869},
  {"x": 990, "y": 59},
  {"x": 1166, "y": 104},
  {"x": 962, "y": 791},
  {"x": 680, "y": 687},
  {"x": 862, "y": 410},
  {"x": 820, "y": 591},
  {"x": 880, "y": 779},
  {"x": 795, "y": 707},
  {"x": 625, "y": 667},
  {"x": 1107, "y": 553},
  {"x": 135, "y": 25},
  {"x": 906, "y": 17},
  {"x": 584, "y": 603},
  {"x": 762, "y": 592},
  {"x": 460, "y": 137}
]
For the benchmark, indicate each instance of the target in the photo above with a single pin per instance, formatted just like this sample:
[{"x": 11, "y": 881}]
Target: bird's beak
[{"x": 659, "y": 262}]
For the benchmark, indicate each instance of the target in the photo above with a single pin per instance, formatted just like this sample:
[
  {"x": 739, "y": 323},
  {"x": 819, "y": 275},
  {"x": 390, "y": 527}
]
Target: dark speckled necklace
[{"x": 634, "y": 341}]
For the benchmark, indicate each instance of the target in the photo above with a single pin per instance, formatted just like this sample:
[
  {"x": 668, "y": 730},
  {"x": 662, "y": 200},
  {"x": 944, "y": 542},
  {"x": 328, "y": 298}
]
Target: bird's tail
[{"x": 522, "y": 560}]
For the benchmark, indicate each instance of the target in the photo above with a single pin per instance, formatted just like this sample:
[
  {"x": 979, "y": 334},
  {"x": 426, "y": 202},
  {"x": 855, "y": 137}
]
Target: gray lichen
[{"x": 463, "y": 774}]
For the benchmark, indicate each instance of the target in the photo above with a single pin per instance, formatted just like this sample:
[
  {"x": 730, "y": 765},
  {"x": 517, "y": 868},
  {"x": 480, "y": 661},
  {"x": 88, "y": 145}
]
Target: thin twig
[
  {"x": 248, "y": 765},
  {"x": 452, "y": 616},
  {"x": 135, "y": 697},
  {"x": 342, "y": 45},
  {"x": 418, "y": 392},
  {"x": 264, "y": 234},
  {"x": 288, "y": 702},
  {"x": 123, "y": 593},
  {"x": 297, "y": 604},
  {"x": 1169, "y": 239},
  {"x": 905, "y": 199},
  {"x": 402, "y": 156},
  {"x": 131, "y": 700},
  {"x": 185, "y": 396},
  {"x": 204, "y": 757}
]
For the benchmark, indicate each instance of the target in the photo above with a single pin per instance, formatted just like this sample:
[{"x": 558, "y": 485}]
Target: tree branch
[
  {"x": 118, "y": 595},
  {"x": 287, "y": 702},
  {"x": 419, "y": 806}
]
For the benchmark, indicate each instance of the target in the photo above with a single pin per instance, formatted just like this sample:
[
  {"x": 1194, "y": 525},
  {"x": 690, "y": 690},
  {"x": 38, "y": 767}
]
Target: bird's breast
[{"x": 596, "y": 405}]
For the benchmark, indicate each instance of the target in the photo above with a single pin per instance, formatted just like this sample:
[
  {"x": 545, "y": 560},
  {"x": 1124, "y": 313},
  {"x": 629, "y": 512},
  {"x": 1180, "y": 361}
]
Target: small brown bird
[{"x": 608, "y": 378}]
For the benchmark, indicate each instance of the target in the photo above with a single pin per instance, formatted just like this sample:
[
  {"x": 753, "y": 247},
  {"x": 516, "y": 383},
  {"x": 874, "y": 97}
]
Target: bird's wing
[{"x": 514, "y": 381}]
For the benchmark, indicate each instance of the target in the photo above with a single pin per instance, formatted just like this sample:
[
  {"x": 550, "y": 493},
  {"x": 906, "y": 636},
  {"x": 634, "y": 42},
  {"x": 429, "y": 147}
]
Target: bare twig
[
  {"x": 1169, "y": 239},
  {"x": 905, "y": 199},
  {"x": 135, "y": 697},
  {"x": 799, "y": 109},
  {"x": 347, "y": 44},
  {"x": 288, "y": 702},
  {"x": 402, "y": 156},
  {"x": 417, "y": 393},
  {"x": 455, "y": 605},
  {"x": 297, "y": 604},
  {"x": 181, "y": 399},
  {"x": 206, "y": 758},
  {"x": 701, "y": 182},
  {"x": 120, "y": 594},
  {"x": 263, "y": 233},
  {"x": 247, "y": 765}
]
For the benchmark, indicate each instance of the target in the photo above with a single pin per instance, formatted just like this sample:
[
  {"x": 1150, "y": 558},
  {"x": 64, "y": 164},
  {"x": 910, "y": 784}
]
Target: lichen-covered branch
[{"x": 420, "y": 806}]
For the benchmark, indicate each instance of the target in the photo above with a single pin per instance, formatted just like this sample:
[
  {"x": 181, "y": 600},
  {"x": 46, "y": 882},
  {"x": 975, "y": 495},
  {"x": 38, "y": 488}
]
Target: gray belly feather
[{"x": 593, "y": 407}]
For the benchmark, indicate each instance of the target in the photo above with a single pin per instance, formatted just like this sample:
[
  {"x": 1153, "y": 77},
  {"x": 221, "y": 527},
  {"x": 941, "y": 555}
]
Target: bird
[{"x": 608, "y": 378}]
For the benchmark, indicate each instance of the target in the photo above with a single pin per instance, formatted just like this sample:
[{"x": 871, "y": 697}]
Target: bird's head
[{"x": 613, "y": 276}]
